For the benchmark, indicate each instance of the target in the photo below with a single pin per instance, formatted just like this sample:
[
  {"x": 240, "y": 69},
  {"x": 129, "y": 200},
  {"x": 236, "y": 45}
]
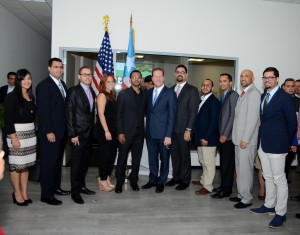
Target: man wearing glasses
[
  {"x": 244, "y": 137},
  {"x": 131, "y": 105},
  {"x": 276, "y": 133},
  {"x": 80, "y": 115}
]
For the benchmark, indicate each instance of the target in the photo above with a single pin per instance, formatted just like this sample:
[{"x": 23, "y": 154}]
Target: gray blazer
[
  {"x": 247, "y": 117},
  {"x": 227, "y": 113}
]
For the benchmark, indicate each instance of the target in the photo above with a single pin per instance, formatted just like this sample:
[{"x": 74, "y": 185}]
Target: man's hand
[
  {"x": 51, "y": 137},
  {"x": 187, "y": 136},
  {"x": 121, "y": 138},
  {"x": 243, "y": 145},
  {"x": 75, "y": 140},
  {"x": 204, "y": 142},
  {"x": 167, "y": 142},
  {"x": 223, "y": 139}
]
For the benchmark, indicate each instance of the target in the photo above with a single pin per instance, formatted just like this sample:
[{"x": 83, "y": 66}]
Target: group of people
[{"x": 240, "y": 125}]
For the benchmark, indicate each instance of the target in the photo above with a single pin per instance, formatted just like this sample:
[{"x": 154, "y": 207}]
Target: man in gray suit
[
  {"x": 244, "y": 136},
  {"x": 188, "y": 101}
]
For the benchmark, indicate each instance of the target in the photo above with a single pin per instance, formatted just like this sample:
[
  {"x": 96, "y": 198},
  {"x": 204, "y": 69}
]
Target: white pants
[
  {"x": 206, "y": 156},
  {"x": 276, "y": 184}
]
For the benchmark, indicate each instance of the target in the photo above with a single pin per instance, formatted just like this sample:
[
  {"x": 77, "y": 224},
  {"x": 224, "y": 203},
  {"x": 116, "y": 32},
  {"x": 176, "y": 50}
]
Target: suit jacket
[
  {"x": 130, "y": 113},
  {"x": 296, "y": 102},
  {"x": 161, "y": 117},
  {"x": 246, "y": 120},
  {"x": 207, "y": 122},
  {"x": 188, "y": 101},
  {"x": 51, "y": 108},
  {"x": 3, "y": 93},
  {"x": 227, "y": 113},
  {"x": 278, "y": 123},
  {"x": 80, "y": 118}
]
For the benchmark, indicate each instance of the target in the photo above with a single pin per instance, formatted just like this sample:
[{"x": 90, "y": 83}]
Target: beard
[{"x": 179, "y": 78}]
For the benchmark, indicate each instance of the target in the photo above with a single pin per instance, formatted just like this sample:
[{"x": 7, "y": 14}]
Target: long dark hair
[
  {"x": 21, "y": 74},
  {"x": 102, "y": 88}
]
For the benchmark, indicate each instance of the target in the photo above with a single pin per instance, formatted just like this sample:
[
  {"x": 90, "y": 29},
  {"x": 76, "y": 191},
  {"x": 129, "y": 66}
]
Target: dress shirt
[
  {"x": 272, "y": 92},
  {"x": 57, "y": 83},
  {"x": 203, "y": 99}
]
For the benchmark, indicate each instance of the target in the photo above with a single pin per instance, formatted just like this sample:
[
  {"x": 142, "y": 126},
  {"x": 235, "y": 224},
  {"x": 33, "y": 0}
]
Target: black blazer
[
  {"x": 3, "y": 93},
  {"x": 51, "y": 108},
  {"x": 80, "y": 118}
]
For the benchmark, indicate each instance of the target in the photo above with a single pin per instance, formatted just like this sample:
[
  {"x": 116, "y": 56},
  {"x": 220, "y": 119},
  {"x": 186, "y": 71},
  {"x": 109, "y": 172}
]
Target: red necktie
[{"x": 243, "y": 93}]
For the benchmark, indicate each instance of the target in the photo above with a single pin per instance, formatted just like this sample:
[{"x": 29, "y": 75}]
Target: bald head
[{"x": 246, "y": 78}]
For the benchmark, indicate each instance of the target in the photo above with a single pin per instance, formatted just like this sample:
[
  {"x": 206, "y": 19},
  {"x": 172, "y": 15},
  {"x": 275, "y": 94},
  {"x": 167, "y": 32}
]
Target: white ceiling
[{"x": 38, "y": 13}]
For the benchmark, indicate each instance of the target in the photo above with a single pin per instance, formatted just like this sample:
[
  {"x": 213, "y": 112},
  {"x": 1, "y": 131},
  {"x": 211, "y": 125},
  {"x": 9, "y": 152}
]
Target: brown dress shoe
[
  {"x": 202, "y": 191},
  {"x": 196, "y": 182}
]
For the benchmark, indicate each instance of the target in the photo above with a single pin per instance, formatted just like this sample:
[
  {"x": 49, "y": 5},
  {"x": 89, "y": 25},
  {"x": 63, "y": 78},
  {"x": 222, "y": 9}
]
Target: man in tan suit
[{"x": 244, "y": 136}]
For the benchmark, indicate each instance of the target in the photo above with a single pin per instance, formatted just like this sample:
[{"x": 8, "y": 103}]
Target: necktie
[
  {"x": 62, "y": 91},
  {"x": 266, "y": 101},
  {"x": 155, "y": 96},
  {"x": 89, "y": 95},
  {"x": 178, "y": 90},
  {"x": 243, "y": 93},
  {"x": 223, "y": 98}
]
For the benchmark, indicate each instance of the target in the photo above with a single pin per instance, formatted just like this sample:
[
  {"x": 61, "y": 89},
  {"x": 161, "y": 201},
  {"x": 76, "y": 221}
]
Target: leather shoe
[
  {"x": 77, "y": 199},
  {"x": 51, "y": 201},
  {"x": 202, "y": 191},
  {"x": 135, "y": 187},
  {"x": 241, "y": 205},
  {"x": 220, "y": 194},
  {"x": 217, "y": 189},
  {"x": 118, "y": 188},
  {"x": 159, "y": 188},
  {"x": 61, "y": 192},
  {"x": 295, "y": 198},
  {"x": 196, "y": 182},
  {"x": 86, "y": 191},
  {"x": 182, "y": 186},
  {"x": 172, "y": 182},
  {"x": 235, "y": 199},
  {"x": 148, "y": 185}
]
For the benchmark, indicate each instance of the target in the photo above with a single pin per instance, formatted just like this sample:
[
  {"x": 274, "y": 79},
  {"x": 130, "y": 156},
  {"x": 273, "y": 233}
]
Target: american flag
[{"x": 104, "y": 63}]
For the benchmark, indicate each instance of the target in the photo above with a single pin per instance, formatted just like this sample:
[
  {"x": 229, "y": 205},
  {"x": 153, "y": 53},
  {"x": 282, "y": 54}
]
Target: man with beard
[{"x": 188, "y": 100}]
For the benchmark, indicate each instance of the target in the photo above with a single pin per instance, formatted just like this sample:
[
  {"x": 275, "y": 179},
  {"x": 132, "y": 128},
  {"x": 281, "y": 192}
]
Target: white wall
[
  {"x": 259, "y": 33},
  {"x": 21, "y": 47}
]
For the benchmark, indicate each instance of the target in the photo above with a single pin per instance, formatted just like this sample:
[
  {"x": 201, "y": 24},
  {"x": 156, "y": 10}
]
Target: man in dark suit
[
  {"x": 50, "y": 94},
  {"x": 131, "y": 104},
  {"x": 276, "y": 133},
  {"x": 207, "y": 135},
  {"x": 227, "y": 153},
  {"x": 80, "y": 115},
  {"x": 4, "y": 90},
  {"x": 188, "y": 101},
  {"x": 160, "y": 122}
]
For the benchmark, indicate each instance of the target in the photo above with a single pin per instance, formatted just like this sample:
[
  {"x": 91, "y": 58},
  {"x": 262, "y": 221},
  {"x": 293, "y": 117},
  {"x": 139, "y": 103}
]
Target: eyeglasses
[
  {"x": 86, "y": 75},
  {"x": 180, "y": 72},
  {"x": 268, "y": 78},
  {"x": 57, "y": 67},
  {"x": 136, "y": 77},
  {"x": 206, "y": 85}
]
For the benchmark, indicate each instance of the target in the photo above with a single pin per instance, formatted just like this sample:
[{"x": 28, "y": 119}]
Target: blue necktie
[
  {"x": 155, "y": 96},
  {"x": 266, "y": 101}
]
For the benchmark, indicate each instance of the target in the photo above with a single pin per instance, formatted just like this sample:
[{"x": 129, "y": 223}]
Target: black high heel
[
  {"x": 18, "y": 203},
  {"x": 28, "y": 201}
]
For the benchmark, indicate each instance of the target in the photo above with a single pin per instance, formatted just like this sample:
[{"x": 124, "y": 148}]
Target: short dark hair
[
  {"x": 272, "y": 69},
  {"x": 298, "y": 80},
  {"x": 158, "y": 69},
  {"x": 50, "y": 62},
  {"x": 228, "y": 76},
  {"x": 212, "y": 83},
  {"x": 83, "y": 67},
  {"x": 288, "y": 80},
  {"x": 181, "y": 66},
  {"x": 11, "y": 73},
  {"x": 136, "y": 71},
  {"x": 148, "y": 79}
]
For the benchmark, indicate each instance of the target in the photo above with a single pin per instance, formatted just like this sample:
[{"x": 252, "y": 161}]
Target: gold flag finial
[{"x": 105, "y": 21}]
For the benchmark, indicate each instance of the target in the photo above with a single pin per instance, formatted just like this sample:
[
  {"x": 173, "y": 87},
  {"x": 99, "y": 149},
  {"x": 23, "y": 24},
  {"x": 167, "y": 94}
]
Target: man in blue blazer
[
  {"x": 276, "y": 133},
  {"x": 207, "y": 135},
  {"x": 50, "y": 97},
  {"x": 160, "y": 122}
]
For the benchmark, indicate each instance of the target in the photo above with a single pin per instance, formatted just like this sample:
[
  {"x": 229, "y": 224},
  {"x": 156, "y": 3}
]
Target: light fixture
[
  {"x": 32, "y": 0},
  {"x": 139, "y": 56},
  {"x": 195, "y": 60}
]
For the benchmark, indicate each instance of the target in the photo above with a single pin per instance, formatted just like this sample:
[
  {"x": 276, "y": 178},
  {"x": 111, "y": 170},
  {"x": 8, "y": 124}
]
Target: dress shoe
[
  {"x": 182, "y": 186},
  {"x": 220, "y": 194},
  {"x": 61, "y": 192},
  {"x": 51, "y": 201},
  {"x": 217, "y": 189},
  {"x": 159, "y": 188},
  {"x": 19, "y": 203},
  {"x": 277, "y": 221},
  {"x": 104, "y": 186},
  {"x": 202, "y": 191},
  {"x": 135, "y": 186},
  {"x": 297, "y": 216},
  {"x": 172, "y": 182},
  {"x": 77, "y": 199},
  {"x": 263, "y": 210},
  {"x": 295, "y": 198},
  {"x": 196, "y": 182},
  {"x": 235, "y": 199},
  {"x": 86, "y": 191},
  {"x": 261, "y": 197},
  {"x": 148, "y": 185},
  {"x": 118, "y": 188},
  {"x": 241, "y": 205}
]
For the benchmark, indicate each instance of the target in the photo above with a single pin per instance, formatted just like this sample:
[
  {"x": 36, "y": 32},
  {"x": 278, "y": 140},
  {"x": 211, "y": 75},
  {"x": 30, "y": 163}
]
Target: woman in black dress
[
  {"x": 106, "y": 132},
  {"x": 19, "y": 113}
]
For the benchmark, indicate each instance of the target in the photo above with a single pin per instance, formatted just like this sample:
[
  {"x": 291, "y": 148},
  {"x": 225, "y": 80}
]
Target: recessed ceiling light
[
  {"x": 195, "y": 60},
  {"x": 139, "y": 56}
]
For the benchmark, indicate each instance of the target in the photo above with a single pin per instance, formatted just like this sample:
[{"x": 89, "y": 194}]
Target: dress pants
[
  {"x": 244, "y": 166},
  {"x": 81, "y": 155},
  {"x": 156, "y": 148},
  {"x": 288, "y": 162},
  {"x": 181, "y": 159},
  {"x": 207, "y": 158},
  {"x": 135, "y": 145},
  {"x": 227, "y": 163},
  {"x": 50, "y": 163},
  {"x": 276, "y": 184}
]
